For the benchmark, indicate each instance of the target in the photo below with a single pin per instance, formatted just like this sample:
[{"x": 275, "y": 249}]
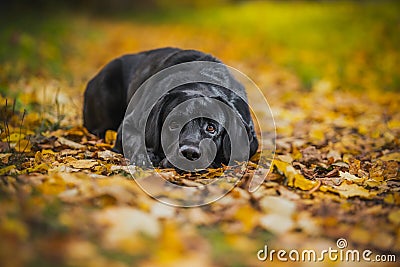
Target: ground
[{"x": 329, "y": 73}]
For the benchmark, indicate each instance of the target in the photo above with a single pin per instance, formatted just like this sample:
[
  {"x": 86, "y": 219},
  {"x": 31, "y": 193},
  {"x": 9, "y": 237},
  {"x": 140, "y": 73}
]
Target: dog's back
[{"x": 108, "y": 93}]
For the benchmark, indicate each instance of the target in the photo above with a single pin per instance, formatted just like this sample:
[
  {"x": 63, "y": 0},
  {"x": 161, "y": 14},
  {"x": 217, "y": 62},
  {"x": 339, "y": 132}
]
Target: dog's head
[{"x": 187, "y": 116}]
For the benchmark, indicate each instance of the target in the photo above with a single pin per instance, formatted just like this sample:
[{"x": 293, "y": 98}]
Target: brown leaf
[
  {"x": 346, "y": 190},
  {"x": 69, "y": 143},
  {"x": 83, "y": 163}
]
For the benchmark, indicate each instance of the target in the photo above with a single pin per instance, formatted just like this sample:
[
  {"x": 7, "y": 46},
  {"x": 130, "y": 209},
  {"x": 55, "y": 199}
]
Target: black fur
[{"x": 109, "y": 92}]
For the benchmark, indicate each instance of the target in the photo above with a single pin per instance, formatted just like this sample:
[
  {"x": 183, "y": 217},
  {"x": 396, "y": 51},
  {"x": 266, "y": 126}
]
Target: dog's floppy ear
[
  {"x": 232, "y": 123},
  {"x": 154, "y": 124},
  {"x": 251, "y": 135}
]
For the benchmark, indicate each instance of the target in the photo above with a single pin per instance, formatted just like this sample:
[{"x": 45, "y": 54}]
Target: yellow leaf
[
  {"x": 7, "y": 169},
  {"x": 350, "y": 177},
  {"x": 376, "y": 171},
  {"x": 171, "y": 243},
  {"x": 70, "y": 143},
  {"x": 4, "y": 157},
  {"x": 160, "y": 210},
  {"x": 389, "y": 199},
  {"x": 248, "y": 217},
  {"x": 48, "y": 151},
  {"x": 372, "y": 183},
  {"x": 391, "y": 171},
  {"x": 23, "y": 146},
  {"x": 103, "y": 145},
  {"x": 279, "y": 205},
  {"x": 317, "y": 134},
  {"x": 392, "y": 156},
  {"x": 80, "y": 250},
  {"x": 296, "y": 154},
  {"x": 276, "y": 223},
  {"x": 295, "y": 179},
  {"x": 14, "y": 226},
  {"x": 285, "y": 158},
  {"x": 76, "y": 131},
  {"x": 393, "y": 124},
  {"x": 362, "y": 129},
  {"x": 42, "y": 167},
  {"x": 106, "y": 155},
  {"x": 360, "y": 235},
  {"x": 351, "y": 190},
  {"x": 83, "y": 163},
  {"x": 53, "y": 186},
  {"x": 394, "y": 216},
  {"x": 123, "y": 225},
  {"x": 31, "y": 120},
  {"x": 110, "y": 137},
  {"x": 14, "y": 137},
  {"x": 303, "y": 183}
]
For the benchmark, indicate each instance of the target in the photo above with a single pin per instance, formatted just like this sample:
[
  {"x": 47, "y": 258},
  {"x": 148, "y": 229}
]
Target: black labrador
[{"x": 108, "y": 94}]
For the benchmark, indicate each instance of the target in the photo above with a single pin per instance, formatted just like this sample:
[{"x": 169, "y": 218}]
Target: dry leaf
[
  {"x": 106, "y": 155},
  {"x": 161, "y": 210},
  {"x": 278, "y": 205},
  {"x": 6, "y": 170},
  {"x": 70, "y": 143},
  {"x": 295, "y": 179},
  {"x": 83, "y": 163},
  {"x": 351, "y": 178},
  {"x": 391, "y": 156},
  {"x": 110, "y": 137},
  {"x": 276, "y": 223},
  {"x": 124, "y": 223},
  {"x": 349, "y": 190},
  {"x": 23, "y": 146},
  {"x": 394, "y": 217}
]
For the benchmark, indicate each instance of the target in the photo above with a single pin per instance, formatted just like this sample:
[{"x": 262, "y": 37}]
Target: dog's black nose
[{"x": 190, "y": 152}]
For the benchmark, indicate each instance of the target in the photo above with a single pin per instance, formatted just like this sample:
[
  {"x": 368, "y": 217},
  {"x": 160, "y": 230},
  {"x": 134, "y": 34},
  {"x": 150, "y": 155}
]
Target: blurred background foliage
[
  {"x": 330, "y": 71},
  {"x": 354, "y": 44}
]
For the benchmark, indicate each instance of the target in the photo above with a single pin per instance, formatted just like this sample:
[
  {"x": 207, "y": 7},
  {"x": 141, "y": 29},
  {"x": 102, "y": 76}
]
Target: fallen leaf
[
  {"x": 106, "y": 155},
  {"x": 161, "y": 210},
  {"x": 42, "y": 167},
  {"x": 247, "y": 216},
  {"x": 391, "y": 156},
  {"x": 14, "y": 137},
  {"x": 278, "y": 205},
  {"x": 110, "y": 137},
  {"x": 360, "y": 235},
  {"x": 376, "y": 171},
  {"x": 311, "y": 154},
  {"x": 83, "y": 163},
  {"x": 125, "y": 223},
  {"x": 276, "y": 223},
  {"x": 349, "y": 190},
  {"x": 70, "y": 143},
  {"x": 394, "y": 216},
  {"x": 7, "y": 169},
  {"x": 350, "y": 177},
  {"x": 295, "y": 179},
  {"x": 4, "y": 157},
  {"x": 23, "y": 146}
]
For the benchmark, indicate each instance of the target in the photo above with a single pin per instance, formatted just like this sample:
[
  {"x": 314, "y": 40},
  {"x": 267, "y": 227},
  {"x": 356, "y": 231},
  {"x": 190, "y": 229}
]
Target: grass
[{"x": 317, "y": 40}]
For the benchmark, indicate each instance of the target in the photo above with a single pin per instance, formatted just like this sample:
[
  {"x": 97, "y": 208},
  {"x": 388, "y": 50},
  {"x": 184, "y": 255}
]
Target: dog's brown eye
[{"x": 210, "y": 128}]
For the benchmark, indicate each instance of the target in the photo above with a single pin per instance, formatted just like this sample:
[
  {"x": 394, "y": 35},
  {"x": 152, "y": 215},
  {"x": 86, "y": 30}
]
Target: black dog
[{"x": 107, "y": 96}]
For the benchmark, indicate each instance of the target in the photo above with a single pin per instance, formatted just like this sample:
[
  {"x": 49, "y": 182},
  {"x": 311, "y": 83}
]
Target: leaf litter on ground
[{"x": 67, "y": 199}]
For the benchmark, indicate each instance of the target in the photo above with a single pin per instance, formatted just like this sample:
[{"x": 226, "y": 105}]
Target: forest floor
[{"x": 332, "y": 83}]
